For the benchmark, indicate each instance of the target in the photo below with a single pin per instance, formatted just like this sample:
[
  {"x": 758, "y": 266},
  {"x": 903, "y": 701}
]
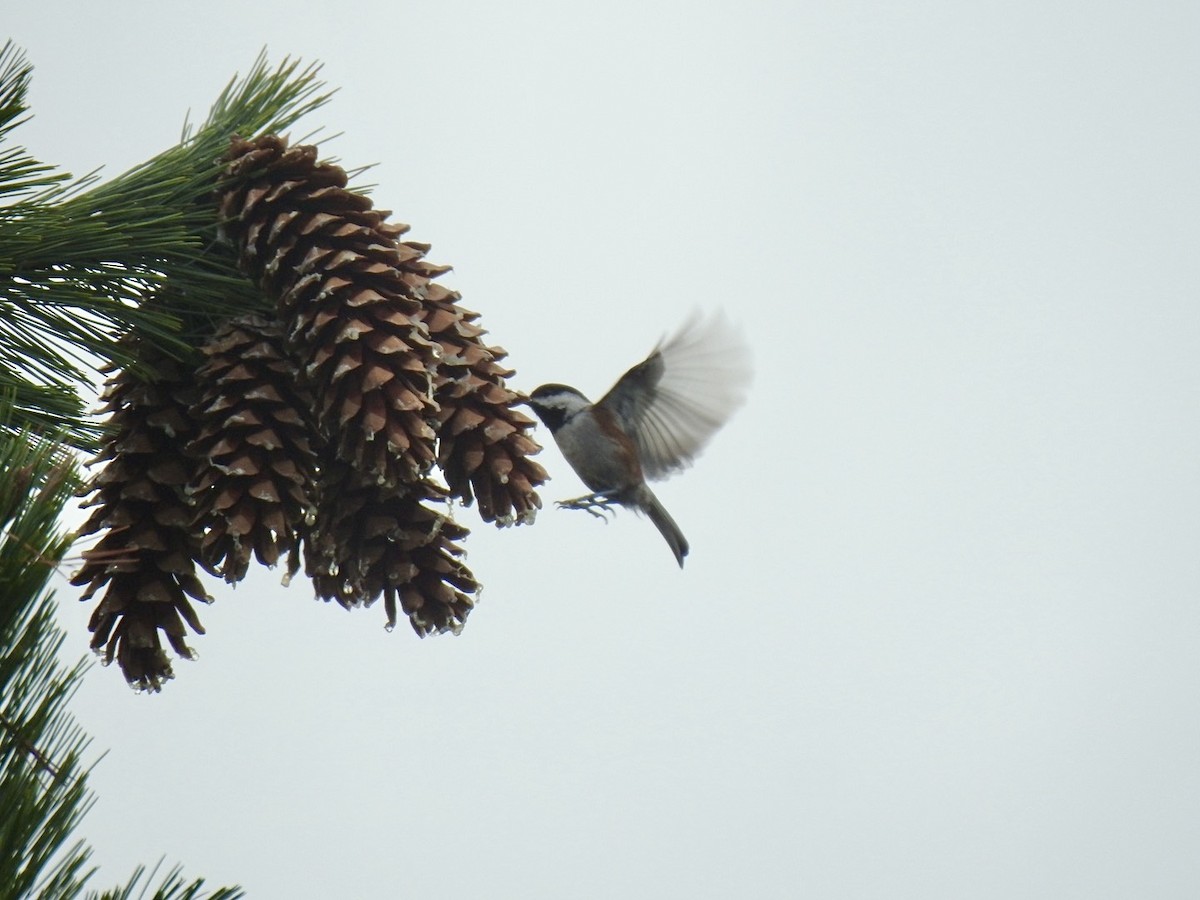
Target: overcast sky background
[{"x": 938, "y": 635}]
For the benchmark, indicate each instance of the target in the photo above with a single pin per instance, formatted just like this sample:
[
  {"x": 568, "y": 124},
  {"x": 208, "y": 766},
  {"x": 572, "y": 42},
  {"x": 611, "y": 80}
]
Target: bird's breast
[{"x": 601, "y": 454}]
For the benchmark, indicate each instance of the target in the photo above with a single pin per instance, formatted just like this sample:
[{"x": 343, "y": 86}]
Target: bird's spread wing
[{"x": 675, "y": 400}]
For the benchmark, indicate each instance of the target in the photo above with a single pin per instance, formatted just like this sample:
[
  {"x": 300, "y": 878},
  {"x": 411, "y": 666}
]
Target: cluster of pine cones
[{"x": 306, "y": 436}]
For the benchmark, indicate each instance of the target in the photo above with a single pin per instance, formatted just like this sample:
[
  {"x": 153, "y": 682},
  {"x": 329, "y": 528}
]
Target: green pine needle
[
  {"x": 43, "y": 780},
  {"x": 83, "y": 262}
]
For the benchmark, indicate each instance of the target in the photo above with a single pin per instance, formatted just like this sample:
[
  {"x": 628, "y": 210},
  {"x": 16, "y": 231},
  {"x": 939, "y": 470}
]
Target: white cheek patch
[{"x": 567, "y": 403}]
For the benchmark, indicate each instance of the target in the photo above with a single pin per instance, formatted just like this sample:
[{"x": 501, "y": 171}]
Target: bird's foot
[{"x": 590, "y": 504}]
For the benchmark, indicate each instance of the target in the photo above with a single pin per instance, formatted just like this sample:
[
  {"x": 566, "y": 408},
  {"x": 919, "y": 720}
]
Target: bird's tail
[{"x": 662, "y": 520}]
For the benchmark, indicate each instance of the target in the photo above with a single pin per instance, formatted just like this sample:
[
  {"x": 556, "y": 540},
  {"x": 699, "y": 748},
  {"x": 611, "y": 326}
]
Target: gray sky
[{"x": 937, "y": 636}]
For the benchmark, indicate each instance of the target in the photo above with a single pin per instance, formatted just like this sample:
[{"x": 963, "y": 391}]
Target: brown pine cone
[
  {"x": 484, "y": 448},
  {"x": 145, "y": 558},
  {"x": 257, "y": 466},
  {"x": 374, "y": 540},
  {"x": 331, "y": 264}
]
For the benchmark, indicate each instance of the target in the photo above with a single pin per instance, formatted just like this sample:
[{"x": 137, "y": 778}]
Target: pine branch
[
  {"x": 42, "y": 788},
  {"x": 20, "y": 174},
  {"x": 172, "y": 887},
  {"x": 27, "y": 746},
  {"x": 43, "y": 781},
  {"x": 83, "y": 262}
]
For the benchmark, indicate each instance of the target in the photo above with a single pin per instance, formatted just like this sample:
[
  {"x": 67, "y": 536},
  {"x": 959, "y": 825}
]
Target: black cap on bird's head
[{"x": 555, "y": 403}]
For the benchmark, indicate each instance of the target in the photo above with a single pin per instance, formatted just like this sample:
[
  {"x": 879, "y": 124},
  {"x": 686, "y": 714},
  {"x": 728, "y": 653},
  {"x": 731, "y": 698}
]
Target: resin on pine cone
[{"x": 374, "y": 540}]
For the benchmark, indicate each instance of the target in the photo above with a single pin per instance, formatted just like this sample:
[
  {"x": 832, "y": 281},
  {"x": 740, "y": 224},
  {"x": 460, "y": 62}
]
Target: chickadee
[{"x": 652, "y": 423}]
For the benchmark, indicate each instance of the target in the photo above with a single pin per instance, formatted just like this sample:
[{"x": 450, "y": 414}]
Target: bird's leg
[{"x": 589, "y": 504}]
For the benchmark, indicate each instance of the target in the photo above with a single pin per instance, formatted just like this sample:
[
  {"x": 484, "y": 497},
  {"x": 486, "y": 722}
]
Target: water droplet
[
  {"x": 310, "y": 517},
  {"x": 389, "y": 627},
  {"x": 286, "y": 580},
  {"x": 333, "y": 568}
]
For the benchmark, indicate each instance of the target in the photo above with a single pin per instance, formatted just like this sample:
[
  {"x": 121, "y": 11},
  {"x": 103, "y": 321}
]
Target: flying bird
[{"x": 652, "y": 423}]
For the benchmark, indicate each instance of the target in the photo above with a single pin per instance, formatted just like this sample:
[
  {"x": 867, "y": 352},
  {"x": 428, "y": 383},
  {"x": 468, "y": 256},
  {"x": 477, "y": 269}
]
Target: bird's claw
[{"x": 590, "y": 504}]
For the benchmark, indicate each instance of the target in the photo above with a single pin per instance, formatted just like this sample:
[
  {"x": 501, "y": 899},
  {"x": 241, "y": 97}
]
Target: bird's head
[{"x": 556, "y": 403}]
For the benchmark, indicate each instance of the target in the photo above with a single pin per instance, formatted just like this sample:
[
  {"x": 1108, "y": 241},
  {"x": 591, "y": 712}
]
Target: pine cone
[
  {"x": 257, "y": 475},
  {"x": 145, "y": 557},
  {"x": 330, "y": 262},
  {"x": 374, "y": 540},
  {"x": 483, "y": 445}
]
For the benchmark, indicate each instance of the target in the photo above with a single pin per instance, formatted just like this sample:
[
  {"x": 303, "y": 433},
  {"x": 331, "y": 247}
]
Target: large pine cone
[
  {"x": 145, "y": 558},
  {"x": 362, "y": 307},
  {"x": 330, "y": 263},
  {"x": 333, "y": 267},
  {"x": 255, "y": 490},
  {"x": 483, "y": 445},
  {"x": 374, "y": 540}
]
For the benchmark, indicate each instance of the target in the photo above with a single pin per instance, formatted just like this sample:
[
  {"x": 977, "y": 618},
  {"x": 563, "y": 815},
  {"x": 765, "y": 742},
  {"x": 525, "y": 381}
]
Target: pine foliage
[
  {"x": 42, "y": 792},
  {"x": 43, "y": 778},
  {"x": 82, "y": 262}
]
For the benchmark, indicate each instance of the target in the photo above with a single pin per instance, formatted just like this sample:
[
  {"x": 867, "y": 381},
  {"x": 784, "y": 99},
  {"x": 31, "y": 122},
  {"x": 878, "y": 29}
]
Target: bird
[{"x": 652, "y": 423}]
